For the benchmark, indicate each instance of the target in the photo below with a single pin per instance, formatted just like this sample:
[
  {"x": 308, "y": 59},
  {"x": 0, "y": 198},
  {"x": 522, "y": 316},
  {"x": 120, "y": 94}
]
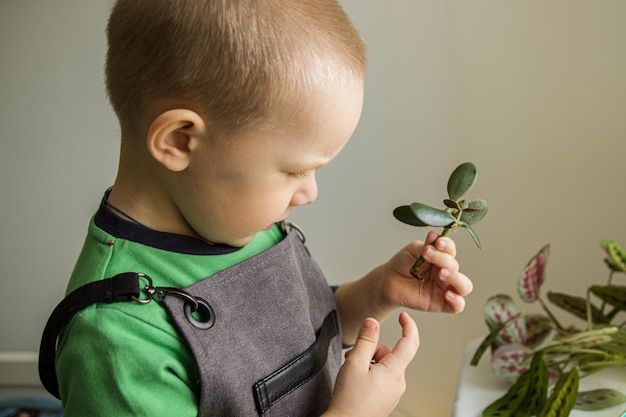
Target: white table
[{"x": 479, "y": 386}]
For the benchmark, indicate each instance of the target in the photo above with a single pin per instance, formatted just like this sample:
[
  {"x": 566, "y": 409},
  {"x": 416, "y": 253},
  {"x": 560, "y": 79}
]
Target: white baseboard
[{"x": 19, "y": 369}]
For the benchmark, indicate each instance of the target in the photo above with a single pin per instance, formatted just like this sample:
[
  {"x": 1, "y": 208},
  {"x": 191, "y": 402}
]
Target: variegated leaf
[
  {"x": 617, "y": 255},
  {"x": 538, "y": 328},
  {"x": 612, "y": 294},
  {"x": 508, "y": 361},
  {"x": 613, "y": 266},
  {"x": 533, "y": 276},
  {"x": 499, "y": 309},
  {"x": 587, "y": 339},
  {"x": 599, "y": 399},
  {"x": 577, "y": 306},
  {"x": 513, "y": 332},
  {"x": 506, "y": 405},
  {"x": 535, "y": 397},
  {"x": 563, "y": 396},
  {"x": 618, "y": 345}
]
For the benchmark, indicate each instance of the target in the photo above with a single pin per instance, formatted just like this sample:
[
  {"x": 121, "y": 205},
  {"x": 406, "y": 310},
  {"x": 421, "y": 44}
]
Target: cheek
[{"x": 254, "y": 207}]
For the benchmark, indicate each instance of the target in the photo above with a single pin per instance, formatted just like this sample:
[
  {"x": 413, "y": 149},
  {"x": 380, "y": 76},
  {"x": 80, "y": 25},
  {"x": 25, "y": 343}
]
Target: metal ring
[
  {"x": 147, "y": 289},
  {"x": 204, "y": 312}
]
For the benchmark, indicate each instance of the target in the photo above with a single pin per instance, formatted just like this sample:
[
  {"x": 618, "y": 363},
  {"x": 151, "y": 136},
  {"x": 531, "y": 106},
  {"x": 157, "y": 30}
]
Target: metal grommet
[{"x": 203, "y": 317}]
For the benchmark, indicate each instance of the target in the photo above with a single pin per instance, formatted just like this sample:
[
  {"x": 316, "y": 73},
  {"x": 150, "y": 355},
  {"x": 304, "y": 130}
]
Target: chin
[{"x": 240, "y": 242}]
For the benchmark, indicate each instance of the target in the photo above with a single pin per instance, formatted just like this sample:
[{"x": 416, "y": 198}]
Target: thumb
[{"x": 366, "y": 343}]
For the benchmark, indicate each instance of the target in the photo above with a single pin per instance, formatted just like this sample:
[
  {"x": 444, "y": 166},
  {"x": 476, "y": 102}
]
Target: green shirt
[{"x": 126, "y": 358}]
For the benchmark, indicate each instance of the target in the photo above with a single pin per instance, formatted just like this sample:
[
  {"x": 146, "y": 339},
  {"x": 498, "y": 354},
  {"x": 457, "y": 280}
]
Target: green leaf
[
  {"x": 472, "y": 233},
  {"x": 599, "y": 399},
  {"x": 572, "y": 344},
  {"x": 461, "y": 180},
  {"x": 589, "y": 338},
  {"x": 475, "y": 211},
  {"x": 612, "y": 294},
  {"x": 405, "y": 215},
  {"x": 617, "y": 346},
  {"x": 536, "y": 395},
  {"x": 563, "y": 396},
  {"x": 507, "y": 404},
  {"x": 431, "y": 216},
  {"x": 617, "y": 255},
  {"x": 577, "y": 306},
  {"x": 538, "y": 328},
  {"x": 485, "y": 344},
  {"x": 452, "y": 204}
]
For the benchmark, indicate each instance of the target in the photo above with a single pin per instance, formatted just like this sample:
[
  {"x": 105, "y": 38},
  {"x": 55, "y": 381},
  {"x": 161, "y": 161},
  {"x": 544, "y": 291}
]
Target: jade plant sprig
[{"x": 457, "y": 213}]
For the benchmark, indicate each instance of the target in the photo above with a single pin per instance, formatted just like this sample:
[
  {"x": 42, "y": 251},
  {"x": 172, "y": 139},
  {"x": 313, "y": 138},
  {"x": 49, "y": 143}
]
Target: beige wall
[{"x": 533, "y": 92}]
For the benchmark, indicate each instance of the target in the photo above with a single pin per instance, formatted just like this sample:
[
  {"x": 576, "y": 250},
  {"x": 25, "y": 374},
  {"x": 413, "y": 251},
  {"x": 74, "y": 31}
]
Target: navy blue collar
[{"x": 120, "y": 228}]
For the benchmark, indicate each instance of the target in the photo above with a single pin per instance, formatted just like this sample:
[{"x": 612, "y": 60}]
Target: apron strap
[{"x": 122, "y": 287}]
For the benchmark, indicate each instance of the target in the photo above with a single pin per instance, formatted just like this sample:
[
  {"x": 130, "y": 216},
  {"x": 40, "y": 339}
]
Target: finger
[
  {"x": 454, "y": 302},
  {"x": 431, "y": 237},
  {"x": 381, "y": 352},
  {"x": 459, "y": 283},
  {"x": 406, "y": 348},
  {"x": 366, "y": 343},
  {"x": 447, "y": 245},
  {"x": 440, "y": 259}
]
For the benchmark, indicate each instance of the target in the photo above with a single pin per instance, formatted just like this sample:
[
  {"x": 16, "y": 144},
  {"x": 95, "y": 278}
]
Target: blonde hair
[{"x": 237, "y": 60}]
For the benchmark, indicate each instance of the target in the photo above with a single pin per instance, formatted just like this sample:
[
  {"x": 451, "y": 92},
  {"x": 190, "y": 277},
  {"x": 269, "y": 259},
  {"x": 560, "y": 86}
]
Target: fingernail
[
  {"x": 441, "y": 244},
  {"x": 444, "y": 274},
  {"x": 369, "y": 324}
]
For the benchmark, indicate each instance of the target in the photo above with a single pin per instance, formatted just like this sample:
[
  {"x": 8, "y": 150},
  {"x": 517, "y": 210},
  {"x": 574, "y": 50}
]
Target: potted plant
[{"x": 542, "y": 358}]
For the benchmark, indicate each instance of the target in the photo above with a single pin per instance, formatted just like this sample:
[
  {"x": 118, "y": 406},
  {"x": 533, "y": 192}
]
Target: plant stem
[
  {"x": 549, "y": 313},
  {"x": 608, "y": 283},
  {"x": 420, "y": 260},
  {"x": 588, "y": 308}
]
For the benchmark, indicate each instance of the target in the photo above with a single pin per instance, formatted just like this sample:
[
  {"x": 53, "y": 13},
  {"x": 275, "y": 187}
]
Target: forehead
[
  {"x": 321, "y": 123},
  {"x": 303, "y": 134}
]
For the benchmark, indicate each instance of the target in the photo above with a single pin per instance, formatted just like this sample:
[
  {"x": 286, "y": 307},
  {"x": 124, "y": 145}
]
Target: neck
[{"x": 141, "y": 191}]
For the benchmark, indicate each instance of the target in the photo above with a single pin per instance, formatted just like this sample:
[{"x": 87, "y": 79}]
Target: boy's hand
[
  {"x": 391, "y": 285},
  {"x": 443, "y": 287},
  {"x": 371, "y": 381}
]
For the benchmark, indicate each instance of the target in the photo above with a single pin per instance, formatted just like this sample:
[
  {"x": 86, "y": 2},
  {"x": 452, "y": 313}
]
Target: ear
[{"x": 172, "y": 137}]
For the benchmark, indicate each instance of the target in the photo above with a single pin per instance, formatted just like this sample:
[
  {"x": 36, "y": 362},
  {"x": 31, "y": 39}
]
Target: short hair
[{"x": 237, "y": 60}]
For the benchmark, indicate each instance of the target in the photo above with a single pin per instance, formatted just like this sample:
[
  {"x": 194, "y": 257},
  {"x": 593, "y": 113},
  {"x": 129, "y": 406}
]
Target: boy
[{"x": 227, "y": 108}]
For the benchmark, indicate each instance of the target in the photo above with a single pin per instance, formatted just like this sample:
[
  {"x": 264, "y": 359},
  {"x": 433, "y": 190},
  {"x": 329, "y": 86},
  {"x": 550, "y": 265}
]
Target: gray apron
[{"x": 266, "y": 336}]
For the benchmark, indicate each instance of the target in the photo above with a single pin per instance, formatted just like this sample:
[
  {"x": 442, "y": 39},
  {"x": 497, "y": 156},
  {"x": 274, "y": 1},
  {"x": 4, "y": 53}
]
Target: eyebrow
[{"x": 310, "y": 166}]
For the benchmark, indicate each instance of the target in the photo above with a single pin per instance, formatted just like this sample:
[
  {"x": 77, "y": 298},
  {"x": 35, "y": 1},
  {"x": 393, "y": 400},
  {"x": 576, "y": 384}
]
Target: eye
[{"x": 300, "y": 175}]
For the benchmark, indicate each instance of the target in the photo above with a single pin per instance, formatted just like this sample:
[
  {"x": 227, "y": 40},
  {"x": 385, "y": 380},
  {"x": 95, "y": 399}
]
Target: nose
[{"x": 306, "y": 193}]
